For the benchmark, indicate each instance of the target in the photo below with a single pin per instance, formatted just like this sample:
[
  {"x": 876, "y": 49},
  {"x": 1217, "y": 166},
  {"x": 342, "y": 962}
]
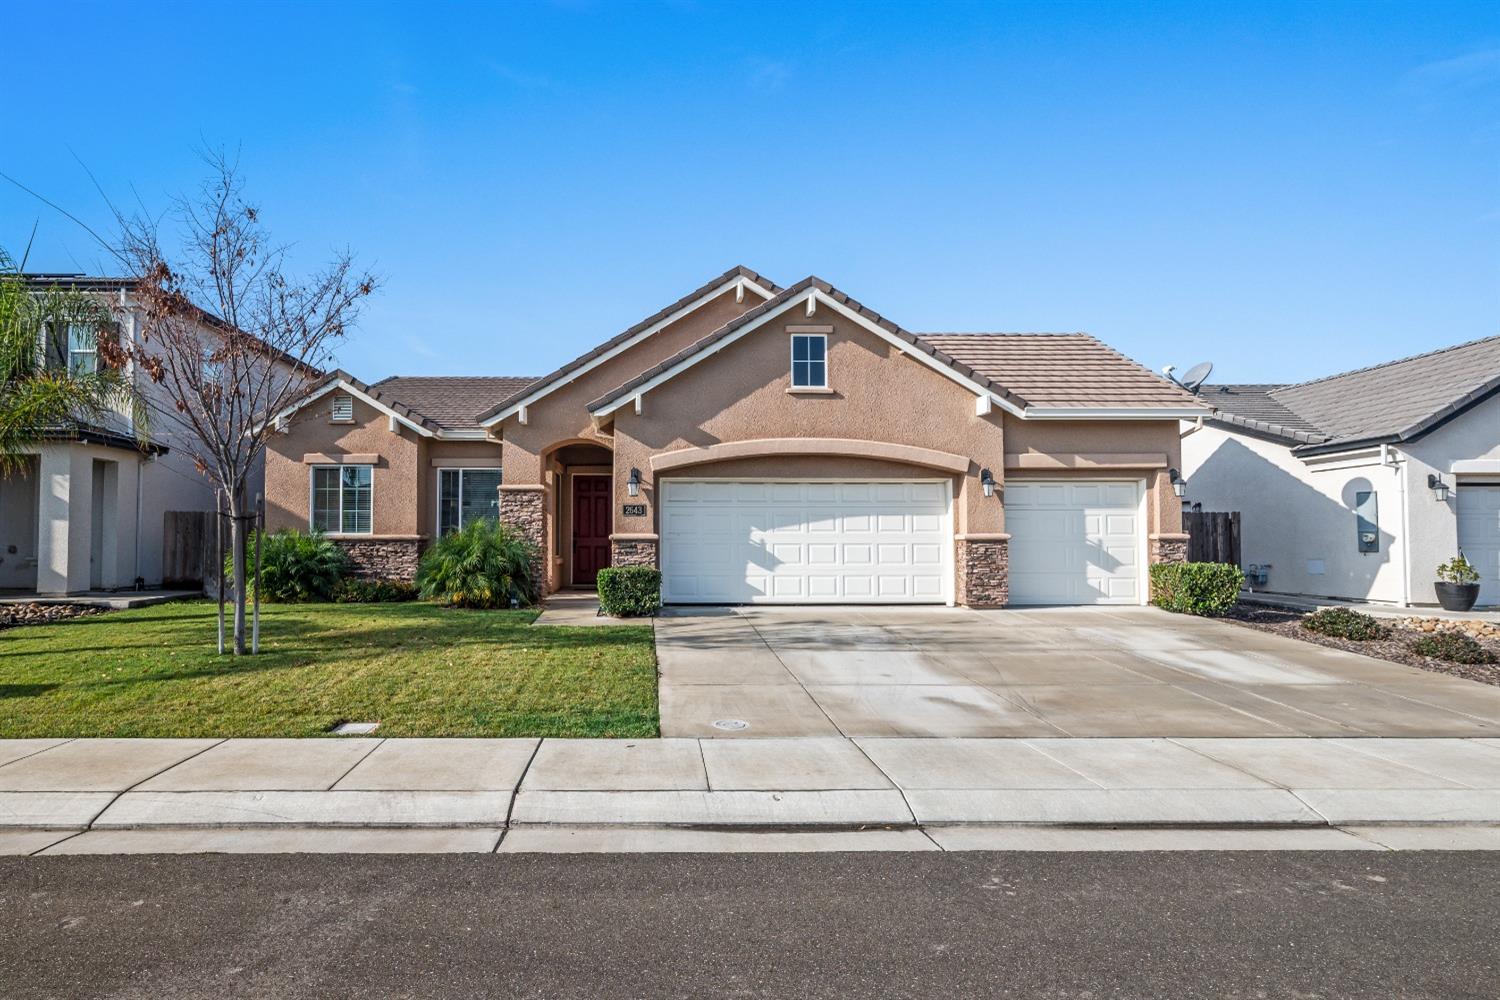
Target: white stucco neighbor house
[
  {"x": 86, "y": 510},
  {"x": 1357, "y": 486}
]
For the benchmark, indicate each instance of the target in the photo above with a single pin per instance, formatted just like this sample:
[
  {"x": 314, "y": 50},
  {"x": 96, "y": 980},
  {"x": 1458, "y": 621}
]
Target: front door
[{"x": 591, "y": 522}]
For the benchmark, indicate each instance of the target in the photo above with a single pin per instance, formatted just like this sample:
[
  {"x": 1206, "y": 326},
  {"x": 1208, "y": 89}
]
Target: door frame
[
  {"x": 569, "y": 475},
  {"x": 950, "y": 546},
  {"x": 1143, "y": 529}
]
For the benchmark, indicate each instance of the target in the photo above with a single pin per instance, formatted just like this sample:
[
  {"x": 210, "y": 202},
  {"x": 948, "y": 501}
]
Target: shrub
[
  {"x": 629, "y": 591},
  {"x": 1344, "y": 623},
  {"x": 1453, "y": 646},
  {"x": 354, "y": 590},
  {"x": 1208, "y": 589},
  {"x": 486, "y": 565},
  {"x": 1458, "y": 570},
  {"x": 294, "y": 567}
]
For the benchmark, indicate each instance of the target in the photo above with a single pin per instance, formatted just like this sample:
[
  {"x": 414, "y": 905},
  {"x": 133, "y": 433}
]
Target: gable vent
[{"x": 343, "y": 407}]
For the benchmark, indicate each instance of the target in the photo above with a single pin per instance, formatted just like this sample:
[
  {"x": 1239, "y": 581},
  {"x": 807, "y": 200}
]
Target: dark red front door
[{"x": 591, "y": 521}]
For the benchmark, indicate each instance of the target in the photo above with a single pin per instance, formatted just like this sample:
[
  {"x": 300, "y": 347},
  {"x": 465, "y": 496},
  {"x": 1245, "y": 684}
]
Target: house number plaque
[{"x": 635, "y": 510}]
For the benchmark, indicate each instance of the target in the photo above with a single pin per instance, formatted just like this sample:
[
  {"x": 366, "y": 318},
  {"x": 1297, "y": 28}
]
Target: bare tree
[{"x": 231, "y": 336}]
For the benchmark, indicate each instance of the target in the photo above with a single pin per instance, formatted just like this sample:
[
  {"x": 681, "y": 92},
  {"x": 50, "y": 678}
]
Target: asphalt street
[{"x": 1179, "y": 925}]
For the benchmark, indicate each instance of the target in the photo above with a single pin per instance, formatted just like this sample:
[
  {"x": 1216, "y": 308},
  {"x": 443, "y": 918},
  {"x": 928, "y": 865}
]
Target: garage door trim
[{"x": 947, "y": 530}]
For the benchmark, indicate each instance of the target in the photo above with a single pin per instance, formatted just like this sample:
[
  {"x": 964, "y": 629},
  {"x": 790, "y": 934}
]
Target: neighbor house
[
  {"x": 767, "y": 444},
  {"x": 88, "y": 507},
  {"x": 1357, "y": 486}
]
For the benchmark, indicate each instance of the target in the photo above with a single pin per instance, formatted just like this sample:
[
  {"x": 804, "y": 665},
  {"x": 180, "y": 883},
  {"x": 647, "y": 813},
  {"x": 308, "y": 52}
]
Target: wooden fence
[
  {"x": 187, "y": 547},
  {"x": 1213, "y": 536}
]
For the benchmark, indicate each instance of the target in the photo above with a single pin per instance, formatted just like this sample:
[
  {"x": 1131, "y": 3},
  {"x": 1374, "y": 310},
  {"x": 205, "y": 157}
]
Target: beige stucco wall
[
  {"x": 1099, "y": 438},
  {"x": 562, "y": 417},
  {"x": 879, "y": 394},
  {"x": 395, "y": 503}
]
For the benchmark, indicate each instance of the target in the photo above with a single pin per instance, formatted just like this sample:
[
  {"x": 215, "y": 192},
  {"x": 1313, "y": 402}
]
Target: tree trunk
[{"x": 237, "y": 547}]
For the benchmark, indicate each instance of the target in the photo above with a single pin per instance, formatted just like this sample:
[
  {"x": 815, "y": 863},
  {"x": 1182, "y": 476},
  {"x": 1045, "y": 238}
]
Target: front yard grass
[{"x": 417, "y": 669}]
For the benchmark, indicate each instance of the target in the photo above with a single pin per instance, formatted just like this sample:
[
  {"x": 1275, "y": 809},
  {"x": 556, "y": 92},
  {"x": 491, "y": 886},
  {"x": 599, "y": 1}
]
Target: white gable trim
[
  {"x": 357, "y": 394},
  {"x": 813, "y": 297},
  {"x": 737, "y": 284}
]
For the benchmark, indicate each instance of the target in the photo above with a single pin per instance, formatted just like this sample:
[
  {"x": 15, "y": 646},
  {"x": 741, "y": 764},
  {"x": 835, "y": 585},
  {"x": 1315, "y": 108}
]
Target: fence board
[
  {"x": 187, "y": 547},
  {"x": 1213, "y": 536}
]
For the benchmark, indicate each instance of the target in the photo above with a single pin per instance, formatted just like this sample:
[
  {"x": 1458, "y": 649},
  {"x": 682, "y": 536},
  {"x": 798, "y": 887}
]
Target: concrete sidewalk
[{"x": 432, "y": 794}]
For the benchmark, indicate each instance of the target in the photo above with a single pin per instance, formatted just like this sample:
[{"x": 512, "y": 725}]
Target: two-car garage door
[{"x": 805, "y": 542}]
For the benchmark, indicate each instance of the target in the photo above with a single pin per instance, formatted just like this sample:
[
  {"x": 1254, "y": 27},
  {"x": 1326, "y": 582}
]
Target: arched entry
[{"x": 583, "y": 511}]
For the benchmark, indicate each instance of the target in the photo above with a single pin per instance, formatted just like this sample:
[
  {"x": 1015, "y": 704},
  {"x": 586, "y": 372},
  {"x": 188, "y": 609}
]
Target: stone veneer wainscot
[{"x": 984, "y": 570}]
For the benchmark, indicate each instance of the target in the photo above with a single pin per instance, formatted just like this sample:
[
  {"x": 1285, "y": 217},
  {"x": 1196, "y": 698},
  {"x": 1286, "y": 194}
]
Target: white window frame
[
  {"x": 792, "y": 373},
  {"x": 92, "y": 355},
  {"x": 437, "y": 496},
  {"x": 312, "y": 482}
]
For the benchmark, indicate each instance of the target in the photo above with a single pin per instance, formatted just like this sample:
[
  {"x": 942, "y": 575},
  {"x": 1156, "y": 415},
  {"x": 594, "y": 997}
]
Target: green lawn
[{"x": 417, "y": 669}]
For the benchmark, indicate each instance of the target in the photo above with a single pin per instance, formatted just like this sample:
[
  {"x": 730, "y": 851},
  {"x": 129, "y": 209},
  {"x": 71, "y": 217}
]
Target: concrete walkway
[{"x": 107, "y": 796}]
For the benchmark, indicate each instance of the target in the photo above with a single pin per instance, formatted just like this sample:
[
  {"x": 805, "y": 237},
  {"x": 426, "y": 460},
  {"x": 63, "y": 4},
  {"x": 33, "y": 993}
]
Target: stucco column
[
  {"x": 63, "y": 532},
  {"x": 524, "y": 508}
]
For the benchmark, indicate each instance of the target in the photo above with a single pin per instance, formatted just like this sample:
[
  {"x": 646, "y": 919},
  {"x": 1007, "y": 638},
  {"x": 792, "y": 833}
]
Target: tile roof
[
  {"x": 1396, "y": 401},
  {"x": 1061, "y": 370},
  {"x": 450, "y": 402},
  {"x": 738, "y": 271},
  {"x": 1026, "y": 370},
  {"x": 1252, "y": 407}
]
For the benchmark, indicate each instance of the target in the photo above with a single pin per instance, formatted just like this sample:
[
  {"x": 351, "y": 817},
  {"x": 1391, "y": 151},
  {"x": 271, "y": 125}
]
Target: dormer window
[
  {"x": 343, "y": 409},
  {"x": 809, "y": 361}
]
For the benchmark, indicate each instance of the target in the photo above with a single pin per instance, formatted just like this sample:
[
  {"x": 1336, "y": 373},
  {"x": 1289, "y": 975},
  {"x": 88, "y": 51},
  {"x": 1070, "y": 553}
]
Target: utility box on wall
[{"x": 1367, "y": 521}]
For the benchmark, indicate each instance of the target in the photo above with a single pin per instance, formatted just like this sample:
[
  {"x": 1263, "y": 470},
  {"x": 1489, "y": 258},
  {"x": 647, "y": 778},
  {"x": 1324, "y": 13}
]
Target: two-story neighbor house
[
  {"x": 87, "y": 508},
  {"x": 1357, "y": 486},
  {"x": 767, "y": 444}
]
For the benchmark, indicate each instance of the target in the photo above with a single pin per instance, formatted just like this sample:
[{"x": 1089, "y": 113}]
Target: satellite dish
[{"x": 1196, "y": 376}]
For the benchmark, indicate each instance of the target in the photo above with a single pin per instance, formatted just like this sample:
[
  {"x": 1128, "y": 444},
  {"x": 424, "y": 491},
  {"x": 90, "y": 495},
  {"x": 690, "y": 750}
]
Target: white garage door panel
[
  {"x": 1479, "y": 537},
  {"x": 1074, "y": 543},
  {"x": 796, "y": 543}
]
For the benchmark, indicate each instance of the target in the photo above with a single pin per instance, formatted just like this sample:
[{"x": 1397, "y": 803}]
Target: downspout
[{"x": 1392, "y": 460}]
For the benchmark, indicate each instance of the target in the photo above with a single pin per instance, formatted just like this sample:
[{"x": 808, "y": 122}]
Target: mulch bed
[
  {"x": 13, "y": 615},
  {"x": 1396, "y": 647}
]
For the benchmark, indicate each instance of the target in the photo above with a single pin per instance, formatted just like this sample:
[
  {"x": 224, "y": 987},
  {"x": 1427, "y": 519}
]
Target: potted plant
[{"x": 1457, "y": 584}]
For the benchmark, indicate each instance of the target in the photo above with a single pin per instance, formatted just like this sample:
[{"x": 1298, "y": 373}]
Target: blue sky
[{"x": 1287, "y": 190}]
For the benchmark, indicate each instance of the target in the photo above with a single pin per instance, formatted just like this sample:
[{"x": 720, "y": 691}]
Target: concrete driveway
[{"x": 953, "y": 672}]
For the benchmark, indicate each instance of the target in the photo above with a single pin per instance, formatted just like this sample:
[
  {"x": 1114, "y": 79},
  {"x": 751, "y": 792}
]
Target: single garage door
[
  {"x": 1479, "y": 536},
  {"x": 1074, "y": 542},
  {"x": 805, "y": 543}
]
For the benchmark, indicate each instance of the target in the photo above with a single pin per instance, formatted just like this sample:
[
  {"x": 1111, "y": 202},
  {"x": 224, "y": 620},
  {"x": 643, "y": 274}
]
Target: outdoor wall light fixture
[
  {"x": 1438, "y": 487},
  {"x": 633, "y": 484},
  {"x": 1179, "y": 485},
  {"x": 987, "y": 481}
]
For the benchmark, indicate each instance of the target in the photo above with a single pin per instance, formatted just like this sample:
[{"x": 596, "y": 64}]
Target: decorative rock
[{"x": 12, "y": 615}]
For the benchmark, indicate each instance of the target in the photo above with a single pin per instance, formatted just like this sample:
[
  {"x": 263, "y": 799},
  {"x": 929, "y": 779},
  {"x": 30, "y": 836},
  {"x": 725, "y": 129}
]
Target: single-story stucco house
[
  {"x": 1357, "y": 486},
  {"x": 767, "y": 444}
]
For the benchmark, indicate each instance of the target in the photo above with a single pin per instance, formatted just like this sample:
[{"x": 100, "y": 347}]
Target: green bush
[
  {"x": 355, "y": 590},
  {"x": 629, "y": 591},
  {"x": 1458, "y": 570},
  {"x": 1344, "y": 623},
  {"x": 486, "y": 565},
  {"x": 1208, "y": 589},
  {"x": 294, "y": 567},
  {"x": 1452, "y": 646}
]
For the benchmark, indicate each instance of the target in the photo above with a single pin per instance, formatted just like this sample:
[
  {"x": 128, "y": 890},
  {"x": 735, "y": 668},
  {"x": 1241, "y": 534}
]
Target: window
[
  {"x": 341, "y": 499},
  {"x": 83, "y": 349},
  {"x": 343, "y": 409},
  {"x": 73, "y": 347},
  {"x": 466, "y": 494},
  {"x": 809, "y": 361}
]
